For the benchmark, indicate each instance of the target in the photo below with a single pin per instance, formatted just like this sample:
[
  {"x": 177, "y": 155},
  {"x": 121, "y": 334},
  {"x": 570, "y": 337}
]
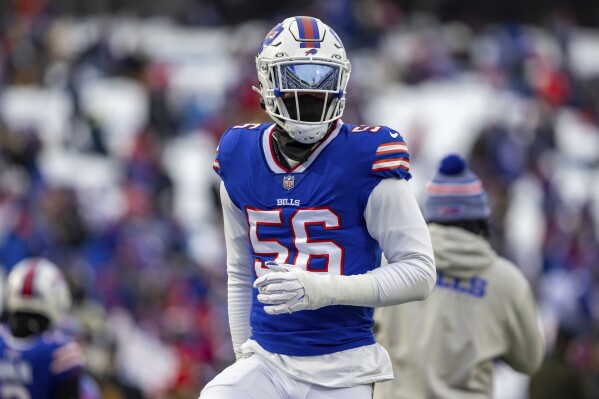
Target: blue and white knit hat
[{"x": 455, "y": 193}]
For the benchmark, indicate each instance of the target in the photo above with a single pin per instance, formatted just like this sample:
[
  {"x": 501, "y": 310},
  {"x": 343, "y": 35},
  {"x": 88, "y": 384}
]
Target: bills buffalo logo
[{"x": 312, "y": 51}]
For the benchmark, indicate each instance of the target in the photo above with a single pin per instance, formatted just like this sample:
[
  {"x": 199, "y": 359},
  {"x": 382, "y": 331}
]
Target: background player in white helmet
[
  {"x": 309, "y": 204},
  {"x": 36, "y": 361},
  {"x": 482, "y": 309}
]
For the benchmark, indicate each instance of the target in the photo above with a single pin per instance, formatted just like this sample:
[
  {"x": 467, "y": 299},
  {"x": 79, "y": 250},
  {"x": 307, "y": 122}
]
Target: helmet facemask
[
  {"x": 306, "y": 107},
  {"x": 304, "y": 95}
]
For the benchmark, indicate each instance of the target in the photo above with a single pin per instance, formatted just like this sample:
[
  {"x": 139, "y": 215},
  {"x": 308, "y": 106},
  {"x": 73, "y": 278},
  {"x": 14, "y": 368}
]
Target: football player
[
  {"x": 309, "y": 202},
  {"x": 36, "y": 361}
]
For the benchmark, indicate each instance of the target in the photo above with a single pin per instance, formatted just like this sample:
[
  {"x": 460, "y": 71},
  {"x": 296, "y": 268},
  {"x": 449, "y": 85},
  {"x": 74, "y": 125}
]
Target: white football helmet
[
  {"x": 302, "y": 55},
  {"x": 36, "y": 285}
]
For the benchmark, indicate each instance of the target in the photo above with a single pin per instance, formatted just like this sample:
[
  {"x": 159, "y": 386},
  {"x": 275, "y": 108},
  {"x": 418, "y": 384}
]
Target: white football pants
[{"x": 254, "y": 378}]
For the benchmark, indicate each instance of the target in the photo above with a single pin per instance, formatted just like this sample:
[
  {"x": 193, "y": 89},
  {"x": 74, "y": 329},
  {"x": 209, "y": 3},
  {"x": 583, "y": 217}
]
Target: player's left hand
[{"x": 290, "y": 289}]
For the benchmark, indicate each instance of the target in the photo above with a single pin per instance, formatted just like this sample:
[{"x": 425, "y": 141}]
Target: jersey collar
[{"x": 275, "y": 166}]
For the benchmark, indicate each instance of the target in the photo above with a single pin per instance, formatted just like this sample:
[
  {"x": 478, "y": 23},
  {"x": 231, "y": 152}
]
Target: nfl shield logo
[{"x": 288, "y": 182}]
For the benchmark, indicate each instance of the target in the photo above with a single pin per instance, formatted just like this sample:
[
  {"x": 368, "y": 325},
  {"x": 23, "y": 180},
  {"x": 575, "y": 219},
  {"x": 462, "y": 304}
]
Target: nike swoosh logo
[{"x": 394, "y": 134}]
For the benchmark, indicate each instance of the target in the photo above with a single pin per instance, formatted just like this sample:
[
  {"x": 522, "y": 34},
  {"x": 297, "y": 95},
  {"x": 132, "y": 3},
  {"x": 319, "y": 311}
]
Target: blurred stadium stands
[{"x": 110, "y": 112}]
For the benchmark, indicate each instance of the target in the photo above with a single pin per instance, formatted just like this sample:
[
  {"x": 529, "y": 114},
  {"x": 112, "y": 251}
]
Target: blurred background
[{"x": 110, "y": 112}]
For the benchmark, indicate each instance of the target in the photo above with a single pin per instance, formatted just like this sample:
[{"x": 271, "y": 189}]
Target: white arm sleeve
[
  {"x": 238, "y": 271},
  {"x": 394, "y": 219}
]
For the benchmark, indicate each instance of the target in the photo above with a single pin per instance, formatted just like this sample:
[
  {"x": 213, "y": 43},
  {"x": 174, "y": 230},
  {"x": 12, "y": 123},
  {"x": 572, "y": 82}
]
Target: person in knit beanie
[
  {"x": 455, "y": 196},
  {"x": 481, "y": 310}
]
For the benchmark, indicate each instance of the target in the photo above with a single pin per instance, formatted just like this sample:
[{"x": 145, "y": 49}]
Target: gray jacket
[{"x": 482, "y": 309}]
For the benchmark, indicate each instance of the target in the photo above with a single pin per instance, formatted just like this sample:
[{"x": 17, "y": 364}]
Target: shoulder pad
[
  {"x": 67, "y": 357},
  {"x": 250, "y": 126},
  {"x": 233, "y": 137},
  {"x": 392, "y": 158}
]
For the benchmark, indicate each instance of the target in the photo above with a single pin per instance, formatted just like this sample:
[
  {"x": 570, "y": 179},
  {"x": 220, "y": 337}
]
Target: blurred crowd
[{"x": 108, "y": 126}]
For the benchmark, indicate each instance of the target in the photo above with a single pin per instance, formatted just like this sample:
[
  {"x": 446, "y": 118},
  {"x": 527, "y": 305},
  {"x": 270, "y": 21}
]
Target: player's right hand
[{"x": 281, "y": 290}]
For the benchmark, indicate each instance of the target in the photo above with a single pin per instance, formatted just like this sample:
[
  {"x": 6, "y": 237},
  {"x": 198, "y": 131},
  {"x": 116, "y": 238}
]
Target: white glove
[{"x": 290, "y": 289}]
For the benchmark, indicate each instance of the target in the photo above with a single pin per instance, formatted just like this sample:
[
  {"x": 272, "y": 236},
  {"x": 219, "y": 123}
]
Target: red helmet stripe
[
  {"x": 28, "y": 281},
  {"x": 308, "y": 28}
]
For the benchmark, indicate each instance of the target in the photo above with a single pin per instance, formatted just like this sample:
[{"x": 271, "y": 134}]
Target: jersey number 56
[{"x": 305, "y": 248}]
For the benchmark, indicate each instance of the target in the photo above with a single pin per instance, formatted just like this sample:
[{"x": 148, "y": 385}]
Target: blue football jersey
[
  {"x": 31, "y": 367},
  {"x": 312, "y": 216}
]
